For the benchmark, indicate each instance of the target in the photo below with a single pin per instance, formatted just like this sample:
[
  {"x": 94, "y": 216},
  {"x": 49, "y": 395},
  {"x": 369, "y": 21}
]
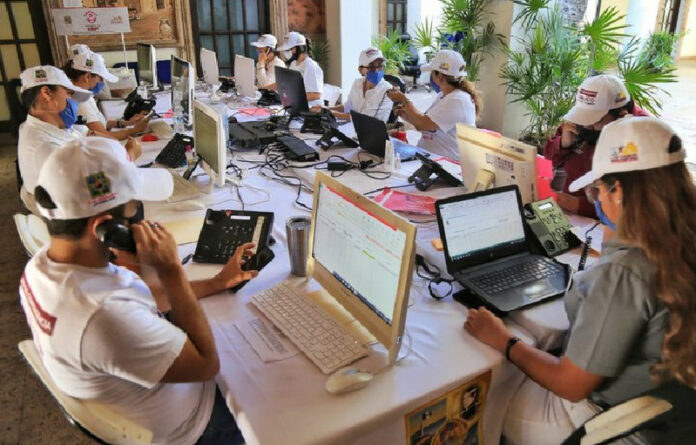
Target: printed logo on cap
[
  {"x": 627, "y": 153},
  {"x": 587, "y": 96},
  {"x": 99, "y": 187},
  {"x": 370, "y": 52},
  {"x": 620, "y": 97},
  {"x": 89, "y": 63},
  {"x": 76, "y": 51},
  {"x": 445, "y": 66},
  {"x": 40, "y": 75}
]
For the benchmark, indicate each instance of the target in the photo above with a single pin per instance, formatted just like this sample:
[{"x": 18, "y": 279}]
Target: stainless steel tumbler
[{"x": 297, "y": 230}]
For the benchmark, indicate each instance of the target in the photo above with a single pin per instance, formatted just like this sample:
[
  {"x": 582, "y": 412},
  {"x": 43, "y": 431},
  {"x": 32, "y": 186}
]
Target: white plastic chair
[
  {"x": 32, "y": 232},
  {"x": 94, "y": 419},
  {"x": 331, "y": 94}
]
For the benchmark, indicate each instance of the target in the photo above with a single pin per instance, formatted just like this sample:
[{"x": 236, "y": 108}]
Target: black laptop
[
  {"x": 372, "y": 134},
  {"x": 488, "y": 251}
]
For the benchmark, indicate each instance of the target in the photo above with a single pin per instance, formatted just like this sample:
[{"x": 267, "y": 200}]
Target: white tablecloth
[{"x": 285, "y": 401}]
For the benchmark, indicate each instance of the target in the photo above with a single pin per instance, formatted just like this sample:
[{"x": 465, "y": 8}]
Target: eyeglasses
[
  {"x": 592, "y": 192},
  {"x": 375, "y": 67}
]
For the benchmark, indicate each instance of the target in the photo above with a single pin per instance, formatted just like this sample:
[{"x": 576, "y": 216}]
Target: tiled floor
[{"x": 28, "y": 414}]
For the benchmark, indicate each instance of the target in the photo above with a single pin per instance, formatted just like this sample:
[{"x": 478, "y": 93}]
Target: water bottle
[{"x": 178, "y": 113}]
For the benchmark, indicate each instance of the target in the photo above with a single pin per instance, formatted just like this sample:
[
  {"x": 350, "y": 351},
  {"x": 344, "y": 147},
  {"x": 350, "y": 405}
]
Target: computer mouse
[
  {"x": 149, "y": 138},
  {"x": 189, "y": 205},
  {"x": 347, "y": 379}
]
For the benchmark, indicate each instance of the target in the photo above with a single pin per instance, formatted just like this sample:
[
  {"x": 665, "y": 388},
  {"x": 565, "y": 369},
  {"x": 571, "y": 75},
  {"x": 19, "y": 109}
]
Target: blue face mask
[
  {"x": 98, "y": 87},
  {"x": 69, "y": 115},
  {"x": 603, "y": 217},
  {"x": 374, "y": 77},
  {"x": 435, "y": 86}
]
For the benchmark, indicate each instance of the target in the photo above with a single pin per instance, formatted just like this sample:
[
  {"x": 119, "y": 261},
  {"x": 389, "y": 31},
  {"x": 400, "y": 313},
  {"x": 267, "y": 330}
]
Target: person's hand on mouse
[{"x": 232, "y": 273}]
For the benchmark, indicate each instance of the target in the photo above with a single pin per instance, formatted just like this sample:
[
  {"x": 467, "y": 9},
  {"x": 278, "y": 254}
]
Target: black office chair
[
  {"x": 397, "y": 82},
  {"x": 411, "y": 65},
  {"x": 17, "y": 112}
]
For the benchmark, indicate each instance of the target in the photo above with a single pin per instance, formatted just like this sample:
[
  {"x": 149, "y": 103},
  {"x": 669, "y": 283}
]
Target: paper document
[
  {"x": 268, "y": 342},
  {"x": 597, "y": 235}
]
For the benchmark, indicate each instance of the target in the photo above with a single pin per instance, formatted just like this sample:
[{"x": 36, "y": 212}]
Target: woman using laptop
[
  {"x": 87, "y": 70},
  {"x": 632, "y": 316},
  {"x": 268, "y": 59},
  {"x": 457, "y": 101},
  {"x": 296, "y": 49}
]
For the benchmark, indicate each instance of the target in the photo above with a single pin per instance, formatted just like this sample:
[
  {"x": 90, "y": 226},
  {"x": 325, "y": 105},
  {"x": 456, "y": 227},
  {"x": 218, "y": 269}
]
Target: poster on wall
[
  {"x": 151, "y": 21},
  {"x": 455, "y": 418},
  {"x": 90, "y": 21}
]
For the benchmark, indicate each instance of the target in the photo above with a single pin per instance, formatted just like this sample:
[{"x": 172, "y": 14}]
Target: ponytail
[{"x": 464, "y": 84}]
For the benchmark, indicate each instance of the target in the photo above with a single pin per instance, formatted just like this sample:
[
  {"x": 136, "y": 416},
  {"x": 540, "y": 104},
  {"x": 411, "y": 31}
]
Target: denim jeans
[{"x": 222, "y": 428}]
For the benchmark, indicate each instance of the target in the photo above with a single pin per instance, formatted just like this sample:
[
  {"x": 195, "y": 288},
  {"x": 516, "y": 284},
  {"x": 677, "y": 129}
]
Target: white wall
[
  {"x": 688, "y": 46},
  {"x": 112, "y": 57},
  {"x": 641, "y": 17}
]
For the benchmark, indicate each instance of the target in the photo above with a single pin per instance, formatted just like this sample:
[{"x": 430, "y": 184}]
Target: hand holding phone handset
[
  {"x": 116, "y": 234},
  {"x": 253, "y": 265}
]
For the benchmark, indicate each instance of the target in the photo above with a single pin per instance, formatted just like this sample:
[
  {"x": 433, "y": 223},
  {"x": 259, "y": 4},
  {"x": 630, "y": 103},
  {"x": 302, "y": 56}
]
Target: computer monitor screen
[
  {"x": 147, "y": 63},
  {"x": 182, "y": 87},
  {"x": 209, "y": 66},
  {"x": 363, "y": 255},
  {"x": 291, "y": 90},
  {"x": 480, "y": 223},
  {"x": 209, "y": 139},
  {"x": 244, "y": 75}
]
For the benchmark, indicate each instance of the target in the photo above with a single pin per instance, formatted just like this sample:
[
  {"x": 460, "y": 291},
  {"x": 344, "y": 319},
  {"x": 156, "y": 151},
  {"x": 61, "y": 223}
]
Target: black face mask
[{"x": 588, "y": 135}]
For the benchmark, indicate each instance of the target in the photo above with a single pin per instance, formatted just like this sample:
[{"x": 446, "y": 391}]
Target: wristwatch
[
  {"x": 120, "y": 123},
  {"x": 511, "y": 342}
]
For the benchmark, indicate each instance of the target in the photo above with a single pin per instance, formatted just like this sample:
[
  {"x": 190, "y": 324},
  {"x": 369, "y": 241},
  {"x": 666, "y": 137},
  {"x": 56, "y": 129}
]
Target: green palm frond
[
  {"x": 395, "y": 51},
  {"x": 642, "y": 83},
  {"x": 423, "y": 36},
  {"x": 607, "y": 29},
  {"x": 530, "y": 12}
]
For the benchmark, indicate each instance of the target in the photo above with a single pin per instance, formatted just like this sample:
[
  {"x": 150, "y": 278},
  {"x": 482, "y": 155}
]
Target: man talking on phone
[{"x": 98, "y": 329}]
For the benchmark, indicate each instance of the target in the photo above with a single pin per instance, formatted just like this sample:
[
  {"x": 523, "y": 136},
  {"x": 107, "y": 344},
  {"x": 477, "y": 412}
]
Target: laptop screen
[{"x": 480, "y": 227}]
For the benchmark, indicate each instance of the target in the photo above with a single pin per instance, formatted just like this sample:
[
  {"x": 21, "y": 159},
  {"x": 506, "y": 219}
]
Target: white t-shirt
[
  {"x": 313, "y": 77},
  {"x": 446, "y": 112},
  {"x": 101, "y": 338},
  {"x": 90, "y": 112},
  {"x": 373, "y": 103},
  {"x": 37, "y": 139},
  {"x": 265, "y": 77}
]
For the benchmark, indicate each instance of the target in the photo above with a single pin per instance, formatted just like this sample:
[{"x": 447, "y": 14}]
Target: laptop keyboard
[
  {"x": 327, "y": 343},
  {"x": 517, "y": 274}
]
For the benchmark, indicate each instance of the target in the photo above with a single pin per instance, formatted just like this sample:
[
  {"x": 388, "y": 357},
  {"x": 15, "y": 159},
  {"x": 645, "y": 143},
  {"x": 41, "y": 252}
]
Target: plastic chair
[
  {"x": 164, "y": 71},
  {"x": 94, "y": 419},
  {"x": 331, "y": 94},
  {"x": 33, "y": 233}
]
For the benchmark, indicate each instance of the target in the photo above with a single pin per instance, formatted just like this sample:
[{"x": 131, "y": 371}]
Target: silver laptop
[{"x": 488, "y": 251}]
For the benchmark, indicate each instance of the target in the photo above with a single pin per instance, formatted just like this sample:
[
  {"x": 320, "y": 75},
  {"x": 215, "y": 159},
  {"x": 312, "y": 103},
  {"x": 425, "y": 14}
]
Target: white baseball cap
[
  {"x": 448, "y": 62},
  {"x": 91, "y": 175},
  {"x": 266, "y": 41},
  {"x": 93, "y": 63},
  {"x": 596, "y": 96},
  {"x": 629, "y": 144},
  {"x": 50, "y": 75},
  {"x": 369, "y": 55},
  {"x": 291, "y": 40},
  {"x": 79, "y": 48}
]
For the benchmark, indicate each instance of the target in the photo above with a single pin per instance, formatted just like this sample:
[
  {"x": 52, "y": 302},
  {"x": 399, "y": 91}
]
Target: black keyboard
[
  {"x": 225, "y": 230},
  {"x": 517, "y": 274}
]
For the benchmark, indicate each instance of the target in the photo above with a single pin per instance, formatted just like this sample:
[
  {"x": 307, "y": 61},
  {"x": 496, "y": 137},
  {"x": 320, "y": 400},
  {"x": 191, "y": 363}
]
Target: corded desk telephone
[
  {"x": 550, "y": 227},
  {"x": 268, "y": 97},
  {"x": 173, "y": 155}
]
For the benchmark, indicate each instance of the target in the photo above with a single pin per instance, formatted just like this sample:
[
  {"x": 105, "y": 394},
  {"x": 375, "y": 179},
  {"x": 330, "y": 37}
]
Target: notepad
[{"x": 185, "y": 230}]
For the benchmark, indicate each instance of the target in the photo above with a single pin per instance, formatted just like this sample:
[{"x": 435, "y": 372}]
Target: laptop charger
[{"x": 338, "y": 165}]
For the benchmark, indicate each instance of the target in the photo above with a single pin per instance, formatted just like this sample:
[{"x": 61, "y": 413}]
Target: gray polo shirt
[{"x": 616, "y": 322}]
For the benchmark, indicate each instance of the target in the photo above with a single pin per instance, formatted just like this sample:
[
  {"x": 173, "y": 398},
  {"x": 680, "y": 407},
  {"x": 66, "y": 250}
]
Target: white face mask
[{"x": 287, "y": 55}]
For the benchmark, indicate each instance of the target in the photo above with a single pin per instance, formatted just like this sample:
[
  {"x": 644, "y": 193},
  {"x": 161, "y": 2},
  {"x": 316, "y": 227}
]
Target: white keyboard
[
  {"x": 161, "y": 129},
  {"x": 183, "y": 189},
  {"x": 328, "y": 344}
]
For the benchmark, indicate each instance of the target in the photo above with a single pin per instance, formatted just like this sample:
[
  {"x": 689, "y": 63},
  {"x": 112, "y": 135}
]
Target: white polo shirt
[
  {"x": 100, "y": 337},
  {"x": 90, "y": 112},
  {"x": 373, "y": 103},
  {"x": 37, "y": 139},
  {"x": 313, "y": 77},
  {"x": 446, "y": 112},
  {"x": 266, "y": 76}
]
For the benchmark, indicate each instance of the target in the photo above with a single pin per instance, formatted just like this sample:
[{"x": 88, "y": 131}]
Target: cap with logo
[
  {"x": 91, "y": 175},
  {"x": 369, "y": 55},
  {"x": 266, "y": 41},
  {"x": 93, "y": 63},
  {"x": 447, "y": 62},
  {"x": 50, "y": 75},
  {"x": 79, "y": 48},
  {"x": 596, "y": 96},
  {"x": 629, "y": 144},
  {"x": 291, "y": 40}
]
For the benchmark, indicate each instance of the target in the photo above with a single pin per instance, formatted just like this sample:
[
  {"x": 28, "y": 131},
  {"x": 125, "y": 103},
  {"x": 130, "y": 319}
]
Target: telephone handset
[
  {"x": 137, "y": 104},
  {"x": 550, "y": 227},
  {"x": 115, "y": 234}
]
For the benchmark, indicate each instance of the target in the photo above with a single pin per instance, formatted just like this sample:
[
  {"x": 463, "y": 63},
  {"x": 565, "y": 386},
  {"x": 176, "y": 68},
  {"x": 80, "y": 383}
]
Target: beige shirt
[{"x": 264, "y": 76}]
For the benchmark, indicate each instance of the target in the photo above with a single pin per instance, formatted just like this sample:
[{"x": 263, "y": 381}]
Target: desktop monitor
[
  {"x": 210, "y": 141},
  {"x": 209, "y": 66},
  {"x": 182, "y": 87},
  {"x": 244, "y": 76},
  {"x": 510, "y": 161},
  {"x": 363, "y": 255},
  {"x": 147, "y": 63},
  {"x": 291, "y": 90}
]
